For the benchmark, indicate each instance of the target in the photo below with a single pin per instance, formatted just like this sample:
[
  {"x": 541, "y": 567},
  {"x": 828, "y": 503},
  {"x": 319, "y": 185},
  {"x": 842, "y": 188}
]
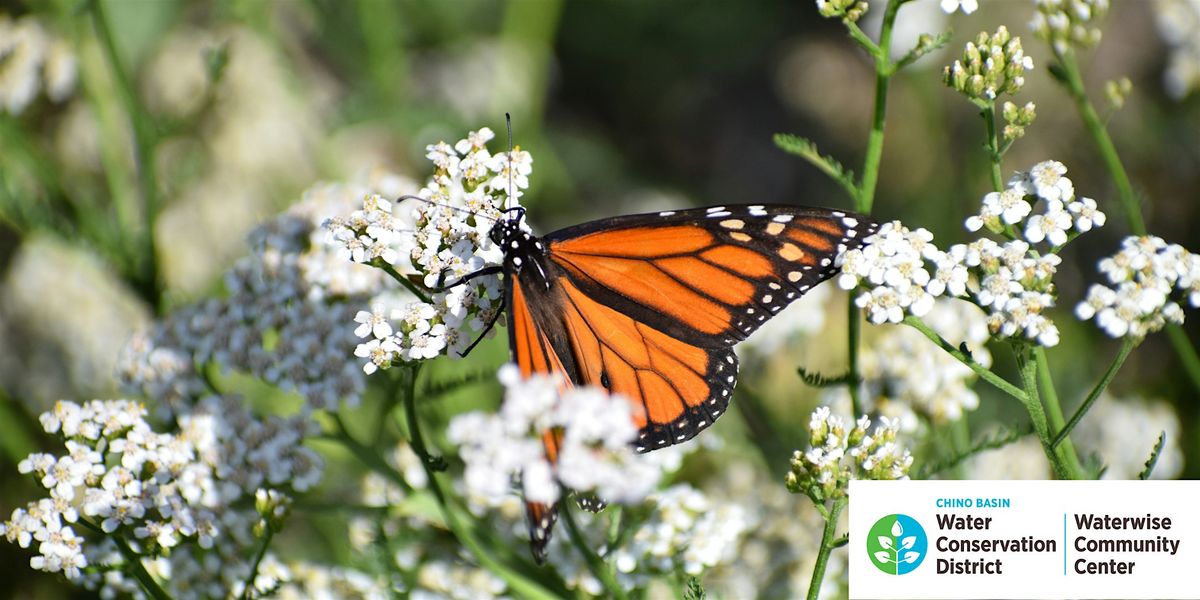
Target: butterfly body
[{"x": 649, "y": 306}]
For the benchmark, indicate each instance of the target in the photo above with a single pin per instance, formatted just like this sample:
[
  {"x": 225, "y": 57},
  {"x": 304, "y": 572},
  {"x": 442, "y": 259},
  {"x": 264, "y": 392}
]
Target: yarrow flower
[
  {"x": 1150, "y": 281},
  {"x": 169, "y": 494},
  {"x": 1066, "y": 23},
  {"x": 967, "y": 6},
  {"x": 990, "y": 66},
  {"x": 686, "y": 533},
  {"x": 1012, "y": 281},
  {"x": 595, "y": 453},
  {"x": 435, "y": 239},
  {"x": 835, "y": 456},
  {"x": 31, "y": 58},
  {"x": 894, "y": 262}
]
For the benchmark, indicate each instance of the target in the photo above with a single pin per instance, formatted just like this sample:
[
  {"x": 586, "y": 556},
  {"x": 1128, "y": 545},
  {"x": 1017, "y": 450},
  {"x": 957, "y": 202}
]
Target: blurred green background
[{"x": 131, "y": 192}]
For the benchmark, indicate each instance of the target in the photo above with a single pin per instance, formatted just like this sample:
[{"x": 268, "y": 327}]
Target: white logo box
[{"x": 1082, "y": 539}]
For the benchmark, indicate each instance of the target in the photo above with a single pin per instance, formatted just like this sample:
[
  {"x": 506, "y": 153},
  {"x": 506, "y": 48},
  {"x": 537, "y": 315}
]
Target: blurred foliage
[{"x": 193, "y": 120}]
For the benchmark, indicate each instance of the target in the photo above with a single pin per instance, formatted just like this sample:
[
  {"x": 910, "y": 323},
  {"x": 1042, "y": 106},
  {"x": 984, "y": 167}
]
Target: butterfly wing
[
  {"x": 709, "y": 277},
  {"x": 649, "y": 306},
  {"x": 654, "y": 302}
]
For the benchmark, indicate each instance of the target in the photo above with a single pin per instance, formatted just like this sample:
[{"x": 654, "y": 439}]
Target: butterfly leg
[
  {"x": 441, "y": 287},
  {"x": 491, "y": 323}
]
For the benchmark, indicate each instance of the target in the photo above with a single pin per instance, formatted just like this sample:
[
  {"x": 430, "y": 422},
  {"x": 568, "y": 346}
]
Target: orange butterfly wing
[{"x": 649, "y": 306}]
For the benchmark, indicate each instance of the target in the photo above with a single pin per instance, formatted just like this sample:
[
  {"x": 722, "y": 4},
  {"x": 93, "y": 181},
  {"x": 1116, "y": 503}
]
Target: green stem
[
  {"x": 1071, "y": 77},
  {"x": 829, "y": 541},
  {"x": 143, "y": 155},
  {"x": 600, "y": 569},
  {"x": 249, "y": 586},
  {"x": 133, "y": 560},
  {"x": 854, "y": 325},
  {"x": 140, "y": 573},
  {"x": 404, "y": 281},
  {"x": 989, "y": 120},
  {"x": 982, "y": 371},
  {"x": 1054, "y": 408},
  {"x": 519, "y": 584},
  {"x": 1187, "y": 353},
  {"x": 883, "y": 73},
  {"x": 1037, "y": 414},
  {"x": 1073, "y": 80},
  {"x": 1126, "y": 347}
]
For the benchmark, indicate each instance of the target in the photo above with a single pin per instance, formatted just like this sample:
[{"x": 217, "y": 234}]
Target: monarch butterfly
[{"x": 649, "y": 306}]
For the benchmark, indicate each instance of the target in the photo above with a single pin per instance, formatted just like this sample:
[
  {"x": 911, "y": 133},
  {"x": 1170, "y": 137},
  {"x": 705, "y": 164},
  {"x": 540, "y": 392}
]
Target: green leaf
[
  {"x": 992, "y": 441},
  {"x": 694, "y": 590},
  {"x": 820, "y": 381},
  {"x": 1153, "y": 460},
  {"x": 446, "y": 386},
  {"x": 925, "y": 45},
  {"x": 806, "y": 149}
]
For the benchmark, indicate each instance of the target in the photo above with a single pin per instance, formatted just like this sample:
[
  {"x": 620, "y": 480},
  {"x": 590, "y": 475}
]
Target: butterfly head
[{"x": 512, "y": 235}]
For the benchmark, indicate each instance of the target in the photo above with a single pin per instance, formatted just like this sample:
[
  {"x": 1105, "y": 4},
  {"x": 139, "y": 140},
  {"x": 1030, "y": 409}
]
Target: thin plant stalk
[
  {"x": 248, "y": 587},
  {"x": 601, "y": 570},
  {"x": 143, "y": 156},
  {"x": 520, "y": 585},
  {"x": 1072, "y": 79},
  {"x": 1126, "y": 347},
  {"x": 148, "y": 582},
  {"x": 829, "y": 542},
  {"x": 865, "y": 197},
  {"x": 1053, "y": 407},
  {"x": 1063, "y": 468},
  {"x": 985, "y": 373}
]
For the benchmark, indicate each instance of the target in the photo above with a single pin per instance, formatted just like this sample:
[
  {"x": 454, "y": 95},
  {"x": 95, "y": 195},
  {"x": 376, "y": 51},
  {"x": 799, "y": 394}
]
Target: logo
[{"x": 897, "y": 544}]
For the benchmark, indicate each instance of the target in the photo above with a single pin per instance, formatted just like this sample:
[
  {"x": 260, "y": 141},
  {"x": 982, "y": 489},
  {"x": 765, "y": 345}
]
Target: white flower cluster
[
  {"x": 687, "y": 532},
  {"x": 1179, "y": 25},
  {"x": 1146, "y": 274},
  {"x": 160, "y": 491},
  {"x": 435, "y": 239},
  {"x": 906, "y": 375},
  {"x": 1066, "y": 23},
  {"x": 284, "y": 318},
  {"x": 1012, "y": 281},
  {"x": 835, "y": 455},
  {"x": 595, "y": 453},
  {"x": 894, "y": 263},
  {"x": 30, "y": 58}
]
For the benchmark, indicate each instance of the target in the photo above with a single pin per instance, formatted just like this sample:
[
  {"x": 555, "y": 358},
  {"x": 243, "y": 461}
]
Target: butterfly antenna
[
  {"x": 508, "y": 123},
  {"x": 445, "y": 206}
]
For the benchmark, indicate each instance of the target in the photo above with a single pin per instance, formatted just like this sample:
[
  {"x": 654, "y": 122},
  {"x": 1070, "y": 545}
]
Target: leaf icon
[
  {"x": 884, "y": 557},
  {"x": 897, "y": 529},
  {"x": 885, "y": 542},
  {"x": 910, "y": 557},
  {"x": 908, "y": 542}
]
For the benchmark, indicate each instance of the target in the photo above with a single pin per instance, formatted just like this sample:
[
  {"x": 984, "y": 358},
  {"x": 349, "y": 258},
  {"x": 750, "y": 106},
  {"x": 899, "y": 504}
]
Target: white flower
[
  {"x": 1051, "y": 226},
  {"x": 1048, "y": 180},
  {"x": 372, "y": 323},
  {"x": 1086, "y": 214},
  {"x": 967, "y": 6}
]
